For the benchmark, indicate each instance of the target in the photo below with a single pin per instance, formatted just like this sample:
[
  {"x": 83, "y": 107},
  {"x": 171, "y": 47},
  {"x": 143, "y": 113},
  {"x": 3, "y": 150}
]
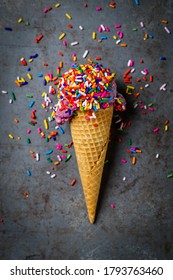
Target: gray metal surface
[{"x": 52, "y": 222}]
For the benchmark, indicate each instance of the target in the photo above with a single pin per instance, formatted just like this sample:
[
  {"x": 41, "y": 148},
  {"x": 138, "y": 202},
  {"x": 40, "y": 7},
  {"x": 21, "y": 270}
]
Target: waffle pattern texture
[{"x": 90, "y": 143}]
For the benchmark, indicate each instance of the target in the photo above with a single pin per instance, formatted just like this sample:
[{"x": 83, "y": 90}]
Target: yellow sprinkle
[
  {"x": 20, "y": 20},
  {"x": 43, "y": 105},
  {"x": 62, "y": 36},
  {"x": 30, "y": 60},
  {"x": 114, "y": 37},
  {"x": 43, "y": 94},
  {"x": 46, "y": 124},
  {"x": 42, "y": 133},
  {"x": 29, "y": 76},
  {"x": 166, "y": 127},
  {"x": 94, "y": 35},
  {"x": 57, "y": 5},
  {"x": 11, "y": 136},
  {"x": 68, "y": 16},
  {"x": 75, "y": 58},
  {"x": 131, "y": 87},
  {"x": 47, "y": 78}
]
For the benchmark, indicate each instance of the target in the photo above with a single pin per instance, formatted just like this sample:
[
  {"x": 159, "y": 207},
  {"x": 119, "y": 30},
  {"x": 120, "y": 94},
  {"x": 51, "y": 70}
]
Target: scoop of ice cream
[{"x": 88, "y": 87}]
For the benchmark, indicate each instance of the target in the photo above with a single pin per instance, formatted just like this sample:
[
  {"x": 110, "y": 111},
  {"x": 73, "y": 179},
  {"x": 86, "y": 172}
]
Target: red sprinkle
[{"x": 73, "y": 182}]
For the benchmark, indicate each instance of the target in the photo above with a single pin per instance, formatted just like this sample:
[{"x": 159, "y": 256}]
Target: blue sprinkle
[
  {"x": 137, "y": 2},
  {"x": 31, "y": 103},
  {"x": 150, "y": 36},
  {"x": 49, "y": 152},
  {"x": 39, "y": 75},
  {"x": 44, "y": 82},
  {"x": 29, "y": 69},
  {"x": 33, "y": 56},
  {"x": 61, "y": 130},
  {"x": 8, "y": 28},
  {"x": 103, "y": 37},
  {"x": 24, "y": 83},
  {"x": 54, "y": 138},
  {"x": 28, "y": 172},
  {"x": 162, "y": 58}
]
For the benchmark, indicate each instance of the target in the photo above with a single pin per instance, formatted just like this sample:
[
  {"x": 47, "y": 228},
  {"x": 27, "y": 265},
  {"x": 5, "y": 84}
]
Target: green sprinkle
[
  {"x": 59, "y": 75},
  {"x": 47, "y": 139},
  {"x": 29, "y": 96},
  {"x": 106, "y": 161},
  {"x": 13, "y": 96},
  {"x": 66, "y": 145},
  {"x": 68, "y": 157},
  {"x": 170, "y": 175},
  {"x": 27, "y": 23},
  {"x": 130, "y": 141},
  {"x": 134, "y": 29},
  {"x": 150, "y": 105},
  {"x": 49, "y": 159},
  {"x": 31, "y": 123},
  {"x": 28, "y": 140}
]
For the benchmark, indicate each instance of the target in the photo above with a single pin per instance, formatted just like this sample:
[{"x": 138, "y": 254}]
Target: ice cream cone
[{"x": 90, "y": 140}]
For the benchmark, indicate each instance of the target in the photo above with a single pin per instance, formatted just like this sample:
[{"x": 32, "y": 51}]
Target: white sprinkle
[
  {"x": 53, "y": 176},
  {"x": 132, "y": 70},
  {"x": 48, "y": 172},
  {"x": 142, "y": 72},
  {"x": 141, "y": 24},
  {"x": 163, "y": 87},
  {"x": 157, "y": 155},
  {"x": 74, "y": 43},
  {"x": 37, "y": 157},
  {"x": 147, "y": 85},
  {"x": 124, "y": 178},
  {"x": 10, "y": 101},
  {"x": 118, "y": 41},
  {"x": 167, "y": 30},
  {"x": 4, "y": 91},
  {"x": 85, "y": 53},
  {"x": 80, "y": 27},
  {"x": 102, "y": 26}
]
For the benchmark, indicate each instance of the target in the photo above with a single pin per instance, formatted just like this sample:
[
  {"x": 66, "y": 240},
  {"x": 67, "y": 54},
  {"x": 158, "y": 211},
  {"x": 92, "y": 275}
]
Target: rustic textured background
[{"x": 52, "y": 222}]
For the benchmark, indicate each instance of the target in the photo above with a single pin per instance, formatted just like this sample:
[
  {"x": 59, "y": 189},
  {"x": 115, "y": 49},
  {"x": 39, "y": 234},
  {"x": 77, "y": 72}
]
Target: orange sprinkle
[
  {"x": 95, "y": 124},
  {"x": 98, "y": 58},
  {"x": 123, "y": 45},
  {"x": 133, "y": 160},
  {"x": 164, "y": 21},
  {"x": 166, "y": 122},
  {"x": 60, "y": 53},
  {"x": 64, "y": 151},
  {"x": 16, "y": 120},
  {"x": 17, "y": 83},
  {"x": 69, "y": 25},
  {"x": 151, "y": 78},
  {"x": 60, "y": 64}
]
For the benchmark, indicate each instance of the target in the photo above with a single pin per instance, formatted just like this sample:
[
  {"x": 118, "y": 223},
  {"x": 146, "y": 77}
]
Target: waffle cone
[{"x": 90, "y": 143}]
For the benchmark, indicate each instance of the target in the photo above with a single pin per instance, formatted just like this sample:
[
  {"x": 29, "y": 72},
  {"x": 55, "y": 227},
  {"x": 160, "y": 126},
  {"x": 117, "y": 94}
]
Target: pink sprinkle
[
  {"x": 59, "y": 146},
  {"x": 146, "y": 71},
  {"x": 99, "y": 29},
  {"x": 28, "y": 131},
  {"x": 151, "y": 109},
  {"x": 87, "y": 118},
  {"x": 124, "y": 160},
  {"x": 45, "y": 11},
  {"x": 112, "y": 205},
  {"x": 64, "y": 157},
  {"x": 117, "y": 25},
  {"x": 156, "y": 130},
  {"x": 107, "y": 29},
  {"x": 98, "y": 8},
  {"x": 39, "y": 130},
  {"x": 64, "y": 43}
]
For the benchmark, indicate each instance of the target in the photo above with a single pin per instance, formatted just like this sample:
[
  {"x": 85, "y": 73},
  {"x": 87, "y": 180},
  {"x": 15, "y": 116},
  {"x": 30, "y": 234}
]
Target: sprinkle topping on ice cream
[{"x": 88, "y": 87}]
